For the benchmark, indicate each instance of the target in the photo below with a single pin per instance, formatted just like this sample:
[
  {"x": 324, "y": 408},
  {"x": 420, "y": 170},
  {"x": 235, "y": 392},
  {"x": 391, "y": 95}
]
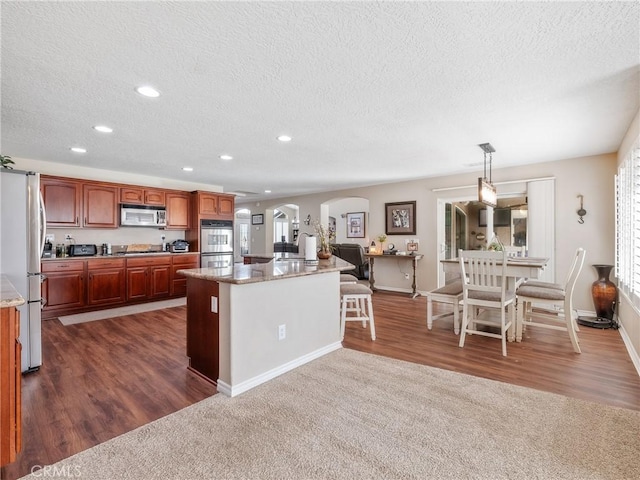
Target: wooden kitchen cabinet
[
  {"x": 64, "y": 286},
  {"x": 181, "y": 262},
  {"x": 214, "y": 206},
  {"x": 62, "y": 200},
  {"x": 148, "y": 277},
  {"x": 142, "y": 196},
  {"x": 177, "y": 210},
  {"x": 106, "y": 281},
  {"x": 100, "y": 206},
  {"x": 10, "y": 376}
]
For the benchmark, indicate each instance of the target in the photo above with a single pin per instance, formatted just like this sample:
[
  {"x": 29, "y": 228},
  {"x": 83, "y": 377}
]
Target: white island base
[{"x": 252, "y": 319}]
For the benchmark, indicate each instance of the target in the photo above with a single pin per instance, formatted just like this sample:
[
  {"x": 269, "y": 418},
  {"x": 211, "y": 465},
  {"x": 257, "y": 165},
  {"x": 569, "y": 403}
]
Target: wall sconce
[
  {"x": 307, "y": 221},
  {"x": 487, "y": 193},
  {"x": 582, "y": 212}
]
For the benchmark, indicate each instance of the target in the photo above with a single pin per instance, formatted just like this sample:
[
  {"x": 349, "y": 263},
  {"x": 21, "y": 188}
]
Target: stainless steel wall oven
[{"x": 216, "y": 243}]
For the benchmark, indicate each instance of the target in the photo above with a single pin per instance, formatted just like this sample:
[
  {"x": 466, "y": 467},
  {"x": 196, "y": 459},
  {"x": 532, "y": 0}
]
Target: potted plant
[
  {"x": 6, "y": 162},
  {"x": 325, "y": 237}
]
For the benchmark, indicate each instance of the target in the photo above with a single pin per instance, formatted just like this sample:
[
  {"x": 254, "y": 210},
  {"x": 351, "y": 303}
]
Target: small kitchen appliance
[{"x": 179, "y": 246}]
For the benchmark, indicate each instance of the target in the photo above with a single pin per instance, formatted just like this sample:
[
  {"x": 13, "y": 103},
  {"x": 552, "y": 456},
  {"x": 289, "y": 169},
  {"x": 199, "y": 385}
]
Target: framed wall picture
[
  {"x": 355, "y": 225},
  {"x": 257, "y": 219},
  {"x": 412, "y": 247},
  {"x": 400, "y": 218}
]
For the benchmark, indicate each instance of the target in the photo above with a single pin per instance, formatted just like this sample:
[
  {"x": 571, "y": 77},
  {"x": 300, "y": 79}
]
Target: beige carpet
[
  {"x": 120, "y": 311},
  {"x": 352, "y": 415}
]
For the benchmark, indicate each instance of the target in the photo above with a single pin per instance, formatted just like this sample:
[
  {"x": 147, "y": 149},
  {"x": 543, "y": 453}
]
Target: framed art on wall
[
  {"x": 400, "y": 218},
  {"x": 355, "y": 225},
  {"x": 257, "y": 219}
]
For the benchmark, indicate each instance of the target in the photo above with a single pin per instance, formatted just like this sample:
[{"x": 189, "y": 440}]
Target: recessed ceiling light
[
  {"x": 187, "y": 169},
  {"x": 103, "y": 129},
  {"x": 78, "y": 150},
  {"x": 226, "y": 157},
  {"x": 284, "y": 138},
  {"x": 267, "y": 191},
  {"x": 148, "y": 91}
]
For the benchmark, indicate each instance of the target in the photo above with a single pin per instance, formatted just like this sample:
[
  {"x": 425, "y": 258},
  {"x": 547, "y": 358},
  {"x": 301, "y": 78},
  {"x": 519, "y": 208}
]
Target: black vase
[{"x": 604, "y": 293}]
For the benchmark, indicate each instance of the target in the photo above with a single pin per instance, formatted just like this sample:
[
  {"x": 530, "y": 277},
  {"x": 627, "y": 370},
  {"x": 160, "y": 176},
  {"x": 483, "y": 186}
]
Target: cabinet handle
[
  {"x": 85, "y": 220},
  {"x": 64, "y": 265},
  {"x": 77, "y": 220}
]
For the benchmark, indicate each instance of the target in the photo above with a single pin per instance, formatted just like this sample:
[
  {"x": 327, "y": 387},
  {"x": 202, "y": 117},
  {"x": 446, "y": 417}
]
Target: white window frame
[{"x": 628, "y": 225}]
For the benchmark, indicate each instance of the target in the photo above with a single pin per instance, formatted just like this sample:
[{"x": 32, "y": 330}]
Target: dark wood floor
[{"x": 101, "y": 379}]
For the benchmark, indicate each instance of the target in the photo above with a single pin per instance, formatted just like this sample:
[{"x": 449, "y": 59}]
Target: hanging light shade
[{"x": 487, "y": 193}]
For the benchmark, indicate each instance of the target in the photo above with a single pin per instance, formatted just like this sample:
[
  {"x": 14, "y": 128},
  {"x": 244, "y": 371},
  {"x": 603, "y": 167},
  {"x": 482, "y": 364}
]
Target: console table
[{"x": 405, "y": 258}]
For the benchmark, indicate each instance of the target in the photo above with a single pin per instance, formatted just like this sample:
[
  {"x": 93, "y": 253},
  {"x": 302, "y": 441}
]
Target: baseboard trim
[
  {"x": 635, "y": 358},
  {"x": 235, "y": 390}
]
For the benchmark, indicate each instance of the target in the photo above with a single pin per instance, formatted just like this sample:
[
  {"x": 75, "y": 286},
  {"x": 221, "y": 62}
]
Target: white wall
[
  {"x": 590, "y": 176},
  {"x": 339, "y": 209}
]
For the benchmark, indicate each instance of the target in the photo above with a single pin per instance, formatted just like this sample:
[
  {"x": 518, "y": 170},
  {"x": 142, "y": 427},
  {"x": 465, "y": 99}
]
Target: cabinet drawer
[
  {"x": 105, "y": 263},
  {"x": 63, "y": 266},
  {"x": 148, "y": 261},
  {"x": 186, "y": 259}
]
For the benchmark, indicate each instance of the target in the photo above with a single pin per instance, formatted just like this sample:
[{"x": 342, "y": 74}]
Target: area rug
[
  {"x": 120, "y": 311},
  {"x": 352, "y": 415}
]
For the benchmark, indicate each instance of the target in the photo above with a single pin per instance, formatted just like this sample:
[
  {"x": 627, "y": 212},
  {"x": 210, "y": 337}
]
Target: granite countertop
[
  {"x": 9, "y": 296},
  {"x": 265, "y": 272}
]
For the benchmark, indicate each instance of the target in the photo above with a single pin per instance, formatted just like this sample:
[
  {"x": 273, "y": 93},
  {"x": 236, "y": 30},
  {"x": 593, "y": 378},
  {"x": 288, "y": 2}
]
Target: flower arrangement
[
  {"x": 381, "y": 238},
  {"x": 325, "y": 237}
]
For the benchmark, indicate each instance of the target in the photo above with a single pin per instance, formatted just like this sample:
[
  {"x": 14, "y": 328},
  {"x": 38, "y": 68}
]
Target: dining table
[{"x": 517, "y": 267}]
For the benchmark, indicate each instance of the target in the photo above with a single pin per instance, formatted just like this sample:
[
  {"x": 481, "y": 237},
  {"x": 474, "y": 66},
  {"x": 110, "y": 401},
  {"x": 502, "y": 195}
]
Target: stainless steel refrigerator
[{"x": 22, "y": 233}]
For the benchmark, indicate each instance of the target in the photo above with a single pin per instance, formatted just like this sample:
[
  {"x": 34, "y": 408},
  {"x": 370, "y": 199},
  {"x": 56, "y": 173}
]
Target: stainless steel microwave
[{"x": 142, "y": 216}]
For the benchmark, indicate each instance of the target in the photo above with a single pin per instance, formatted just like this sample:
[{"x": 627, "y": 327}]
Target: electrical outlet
[
  {"x": 68, "y": 236},
  {"x": 282, "y": 332},
  {"x": 406, "y": 276},
  {"x": 49, "y": 238}
]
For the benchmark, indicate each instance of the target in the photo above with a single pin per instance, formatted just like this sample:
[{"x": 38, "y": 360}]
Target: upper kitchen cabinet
[
  {"x": 177, "y": 210},
  {"x": 62, "y": 200},
  {"x": 214, "y": 205},
  {"x": 142, "y": 196},
  {"x": 100, "y": 206}
]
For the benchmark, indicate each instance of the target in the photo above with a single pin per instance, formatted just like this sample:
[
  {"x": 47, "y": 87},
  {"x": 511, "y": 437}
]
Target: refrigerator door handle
[{"x": 43, "y": 224}]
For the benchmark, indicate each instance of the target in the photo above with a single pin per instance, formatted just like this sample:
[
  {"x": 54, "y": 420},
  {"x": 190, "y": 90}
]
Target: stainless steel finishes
[
  {"x": 142, "y": 216},
  {"x": 216, "y": 243},
  {"x": 22, "y": 238},
  {"x": 179, "y": 246},
  {"x": 83, "y": 250}
]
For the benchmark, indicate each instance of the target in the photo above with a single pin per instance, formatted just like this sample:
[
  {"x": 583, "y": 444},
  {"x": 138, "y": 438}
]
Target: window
[{"x": 628, "y": 225}]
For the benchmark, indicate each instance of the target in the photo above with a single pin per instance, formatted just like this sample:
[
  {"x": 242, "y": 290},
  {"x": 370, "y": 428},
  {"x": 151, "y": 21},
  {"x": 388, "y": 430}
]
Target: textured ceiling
[{"x": 371, "y": 92}]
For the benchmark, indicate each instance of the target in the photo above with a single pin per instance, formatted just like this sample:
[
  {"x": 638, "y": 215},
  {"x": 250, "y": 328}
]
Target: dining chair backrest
[
  {"x": 483, "y": 270},
  {"x": 578, "y": 262},
  {"x": 514, "y": 251}
]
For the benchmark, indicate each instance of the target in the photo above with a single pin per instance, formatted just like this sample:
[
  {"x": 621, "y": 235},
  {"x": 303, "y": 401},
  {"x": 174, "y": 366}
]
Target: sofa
[{"x": 354, "y": 254}]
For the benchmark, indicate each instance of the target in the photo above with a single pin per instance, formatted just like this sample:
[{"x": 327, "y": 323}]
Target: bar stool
[
  {"x": 348, "y": 278},
  {"x": 356, "y": 298},
  {"x": 451, "y": 293}
]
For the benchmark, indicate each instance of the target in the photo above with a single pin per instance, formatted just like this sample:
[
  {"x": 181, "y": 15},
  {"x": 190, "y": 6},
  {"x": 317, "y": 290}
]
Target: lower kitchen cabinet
[
  {"x": 106, "y": 281},
  {"x": 10, "y": 376},
  {"x": 64, "y": 286},
  {"x": 181, "y": 262},
  {"x": 148, "y": 277},
  {"x": 77, "y": 285}
]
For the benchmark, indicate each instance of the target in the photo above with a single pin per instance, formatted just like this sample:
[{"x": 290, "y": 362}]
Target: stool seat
[
  {"x": 348, "y": 278},
  {"x": 356, "y": 299}
]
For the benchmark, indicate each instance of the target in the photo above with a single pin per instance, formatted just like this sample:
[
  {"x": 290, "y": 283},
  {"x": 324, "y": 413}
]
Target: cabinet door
[
  {"x": 64, "y": 290},
  {"x": 208, "y": 204},
  {"x": 132, "y": 195},
  {"x": 177, "y": 211},
  {"x": 154, "y": 197},
  {"x": 106, "y": 286},
  {"x": 182, "y": 262},
  {"x": 100, "y": 206},
  {"x": 225, "y": 206},
  {"x": 159, "y": 281},
  {"x": 62, "y": 201},
  {"x": 137, "y": 283}
]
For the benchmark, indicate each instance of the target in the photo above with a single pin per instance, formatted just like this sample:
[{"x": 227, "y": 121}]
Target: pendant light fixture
[{"x": 487, "y": 193}]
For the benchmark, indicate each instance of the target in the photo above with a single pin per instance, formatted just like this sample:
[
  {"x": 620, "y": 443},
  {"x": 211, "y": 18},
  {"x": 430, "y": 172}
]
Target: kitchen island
[{"x": 247, "y": 324}]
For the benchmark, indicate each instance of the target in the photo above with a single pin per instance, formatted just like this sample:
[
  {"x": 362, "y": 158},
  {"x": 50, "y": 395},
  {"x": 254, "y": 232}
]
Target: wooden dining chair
[
  {"x": 484, "y": 287},
  {"x": 553, "y": 308}
]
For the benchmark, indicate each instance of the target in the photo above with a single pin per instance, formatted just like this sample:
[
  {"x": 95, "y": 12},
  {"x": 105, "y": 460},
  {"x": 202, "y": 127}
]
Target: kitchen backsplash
[{"x": 117, "y": 236}]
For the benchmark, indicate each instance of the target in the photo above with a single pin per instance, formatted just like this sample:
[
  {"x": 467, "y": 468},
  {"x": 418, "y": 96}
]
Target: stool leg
[
  {"x": 362, "y": 312},
  {"x": 456, "y": 317},
  {"x": 429, "y": 313},
  {"x": 343, "y": 317},
  {"x": 371, "y": 323}
]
